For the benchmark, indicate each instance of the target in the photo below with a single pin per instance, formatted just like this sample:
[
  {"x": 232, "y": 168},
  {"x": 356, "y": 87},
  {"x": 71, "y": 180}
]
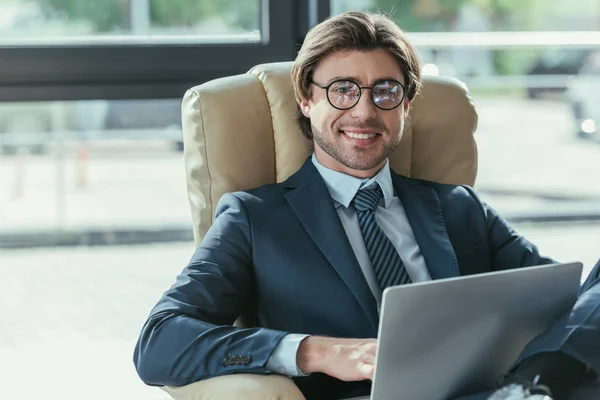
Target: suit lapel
[
  {"x": 312, "y": 203},
  {"x": 424, "y": 212}
]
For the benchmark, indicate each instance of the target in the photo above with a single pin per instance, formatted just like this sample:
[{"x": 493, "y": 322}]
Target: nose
[{"x": 364, "y": 109}]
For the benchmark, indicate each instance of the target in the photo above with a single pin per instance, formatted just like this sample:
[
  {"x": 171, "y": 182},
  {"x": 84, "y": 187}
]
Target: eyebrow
[{"x": 357, "y": 80}]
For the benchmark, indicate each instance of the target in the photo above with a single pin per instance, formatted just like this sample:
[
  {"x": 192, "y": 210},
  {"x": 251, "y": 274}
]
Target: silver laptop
[{"x": 451, "y": 337}]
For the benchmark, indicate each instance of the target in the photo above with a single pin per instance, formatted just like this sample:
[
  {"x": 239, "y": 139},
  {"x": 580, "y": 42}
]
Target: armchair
[{"x": 240, "y": 132}]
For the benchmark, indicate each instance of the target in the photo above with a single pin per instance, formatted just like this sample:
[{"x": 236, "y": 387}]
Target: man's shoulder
[
  {"x": 458, "y": 203},
  {"x": 268, "y": 193},
  {"x": 443, "y": 190}
]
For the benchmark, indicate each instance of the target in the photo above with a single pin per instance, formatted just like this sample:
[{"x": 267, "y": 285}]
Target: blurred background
[{"x": 94, "y": 219}]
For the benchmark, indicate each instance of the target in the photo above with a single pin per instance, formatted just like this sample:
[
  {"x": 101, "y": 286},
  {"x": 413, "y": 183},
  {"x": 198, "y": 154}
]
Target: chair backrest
[{"x": 240, "y": 132}]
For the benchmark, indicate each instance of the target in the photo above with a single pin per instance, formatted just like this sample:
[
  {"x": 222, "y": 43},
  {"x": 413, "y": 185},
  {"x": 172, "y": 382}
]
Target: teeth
[{"x": 354, "y": 135}]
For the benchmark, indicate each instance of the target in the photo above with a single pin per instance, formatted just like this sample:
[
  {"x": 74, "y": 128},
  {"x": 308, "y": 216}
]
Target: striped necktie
[{"x": 387, "y": 264}]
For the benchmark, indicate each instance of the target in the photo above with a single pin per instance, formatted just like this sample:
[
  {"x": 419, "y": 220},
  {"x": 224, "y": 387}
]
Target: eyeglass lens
[{"x": 346, "y": 94}]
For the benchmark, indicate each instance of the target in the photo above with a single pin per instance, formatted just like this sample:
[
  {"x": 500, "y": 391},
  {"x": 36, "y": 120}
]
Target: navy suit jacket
[{"x": 281, "y": 251}]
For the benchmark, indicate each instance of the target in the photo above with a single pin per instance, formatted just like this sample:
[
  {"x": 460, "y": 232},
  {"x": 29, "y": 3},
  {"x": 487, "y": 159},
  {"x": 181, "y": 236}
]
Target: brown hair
[{"x": 352, "y": 31}]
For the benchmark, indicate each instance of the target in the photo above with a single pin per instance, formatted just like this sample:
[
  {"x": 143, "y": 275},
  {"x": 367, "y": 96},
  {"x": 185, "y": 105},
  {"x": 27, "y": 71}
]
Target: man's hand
[{"x": 344, "y": 359}]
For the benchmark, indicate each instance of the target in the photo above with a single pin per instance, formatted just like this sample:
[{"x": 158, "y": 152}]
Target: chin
[{"x": 363, "y": 165}]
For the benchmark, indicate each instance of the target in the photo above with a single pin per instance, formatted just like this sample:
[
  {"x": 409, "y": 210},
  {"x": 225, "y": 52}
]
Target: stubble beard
[{"x": 358, "y": 158}]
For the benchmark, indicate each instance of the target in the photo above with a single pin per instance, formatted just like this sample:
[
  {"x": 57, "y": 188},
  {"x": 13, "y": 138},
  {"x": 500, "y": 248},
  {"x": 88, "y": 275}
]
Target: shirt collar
[{"x": 342, "y": 188}]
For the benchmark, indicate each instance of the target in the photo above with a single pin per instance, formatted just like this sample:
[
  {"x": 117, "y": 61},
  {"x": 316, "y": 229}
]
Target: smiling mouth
[{"x": 360, "y": 136}]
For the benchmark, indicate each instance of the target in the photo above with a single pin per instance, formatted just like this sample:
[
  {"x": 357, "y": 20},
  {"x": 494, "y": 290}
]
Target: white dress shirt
[{"x": 392, "y": 219}]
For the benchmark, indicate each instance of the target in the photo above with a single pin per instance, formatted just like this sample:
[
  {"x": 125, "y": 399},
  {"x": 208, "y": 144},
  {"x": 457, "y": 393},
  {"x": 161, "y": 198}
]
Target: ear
[{"x": 305, "y": 107}]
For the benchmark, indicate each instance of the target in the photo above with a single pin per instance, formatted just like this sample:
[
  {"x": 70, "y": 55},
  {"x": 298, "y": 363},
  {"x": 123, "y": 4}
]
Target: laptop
[{"x": 452, "y": 337}]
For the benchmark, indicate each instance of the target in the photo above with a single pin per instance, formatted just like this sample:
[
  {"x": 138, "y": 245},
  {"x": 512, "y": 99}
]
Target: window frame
[{"x": 63, "y": 72}]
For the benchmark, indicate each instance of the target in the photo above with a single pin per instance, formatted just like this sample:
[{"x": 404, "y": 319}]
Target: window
[
  {"x": 157, "y": 50},
  {"x": 482, "y": 16},
  {"x": 67, "y": 21},
  {"x": 92, "y": 166},
  {"x": 92, "y": 175}
]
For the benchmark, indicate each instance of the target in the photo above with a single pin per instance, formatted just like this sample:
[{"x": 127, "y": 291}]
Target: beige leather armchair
[{"x": 240, "y": 132}]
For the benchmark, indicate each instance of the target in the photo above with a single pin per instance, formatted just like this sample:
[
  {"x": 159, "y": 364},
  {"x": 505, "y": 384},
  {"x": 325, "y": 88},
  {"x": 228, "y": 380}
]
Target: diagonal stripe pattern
[{"x": 387, "y": 264}]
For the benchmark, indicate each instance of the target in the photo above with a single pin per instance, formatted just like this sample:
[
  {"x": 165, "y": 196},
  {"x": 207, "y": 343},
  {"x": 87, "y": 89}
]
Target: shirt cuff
[{"x": 283, "y": 359}]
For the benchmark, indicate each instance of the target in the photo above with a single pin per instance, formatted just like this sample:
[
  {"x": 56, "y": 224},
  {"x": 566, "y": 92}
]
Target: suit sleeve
[
  {"x": 576, "y": 334},
  {"x": 188, "y": 335}
]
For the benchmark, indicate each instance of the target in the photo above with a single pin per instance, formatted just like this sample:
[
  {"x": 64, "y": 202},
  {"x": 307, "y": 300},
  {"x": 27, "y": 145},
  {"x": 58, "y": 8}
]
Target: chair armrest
[{"x": 239, "y": 386}]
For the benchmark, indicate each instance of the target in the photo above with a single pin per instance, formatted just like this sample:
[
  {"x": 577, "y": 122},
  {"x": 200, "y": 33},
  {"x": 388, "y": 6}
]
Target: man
[{"x": 312, "y": 255}]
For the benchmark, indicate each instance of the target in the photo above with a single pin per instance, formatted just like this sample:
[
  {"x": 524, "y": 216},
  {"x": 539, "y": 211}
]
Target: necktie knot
[{"x": 367, "y": 199}]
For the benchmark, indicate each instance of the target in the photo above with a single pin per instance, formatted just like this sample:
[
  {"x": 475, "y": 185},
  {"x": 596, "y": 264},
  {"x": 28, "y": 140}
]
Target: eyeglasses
[{"x": 344, "y": 94}]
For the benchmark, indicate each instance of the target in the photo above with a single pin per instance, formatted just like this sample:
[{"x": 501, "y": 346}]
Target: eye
[
  {"x": 386, "y": 89},
  {"x": 382, "y": 91},
  {"x": 344, "y": 88}
]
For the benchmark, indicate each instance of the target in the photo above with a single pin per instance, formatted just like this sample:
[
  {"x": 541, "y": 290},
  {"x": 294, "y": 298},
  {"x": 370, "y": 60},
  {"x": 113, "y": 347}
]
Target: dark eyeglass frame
[{"x": 405, "y": 89}]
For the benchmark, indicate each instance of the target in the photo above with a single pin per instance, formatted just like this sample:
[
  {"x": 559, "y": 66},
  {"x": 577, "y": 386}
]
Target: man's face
[{"x": 359, "y": 140}]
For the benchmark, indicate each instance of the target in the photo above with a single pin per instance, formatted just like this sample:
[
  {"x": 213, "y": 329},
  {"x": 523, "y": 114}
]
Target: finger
[
  {"x": 372, "y": 348},
  {"x": 366, "y": 370},
  {"x": 368, "y": 358}
]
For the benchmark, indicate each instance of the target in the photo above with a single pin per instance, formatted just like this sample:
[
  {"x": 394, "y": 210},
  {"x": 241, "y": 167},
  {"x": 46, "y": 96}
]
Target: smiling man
[
  {"x": 312, "y": 255},
  {"x": 354, "y": 134}
]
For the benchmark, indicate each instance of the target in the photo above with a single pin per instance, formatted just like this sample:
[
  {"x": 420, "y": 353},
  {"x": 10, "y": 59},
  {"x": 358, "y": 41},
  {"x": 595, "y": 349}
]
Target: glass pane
[
  {"x": 91, "y": 166},
  {"x": 210, "y": 20},
  {"x": 486, "y": 15},
  {"x": 549, "y": 65},
  {"x": 537, "y": 134},
  {"x": 538, "y": 155}
]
